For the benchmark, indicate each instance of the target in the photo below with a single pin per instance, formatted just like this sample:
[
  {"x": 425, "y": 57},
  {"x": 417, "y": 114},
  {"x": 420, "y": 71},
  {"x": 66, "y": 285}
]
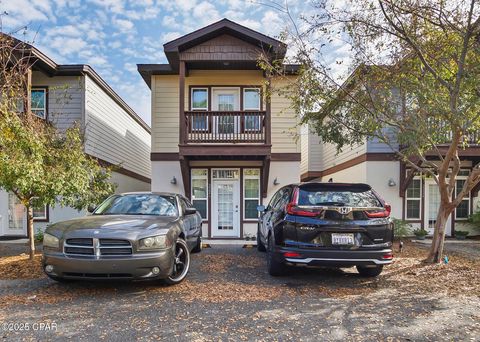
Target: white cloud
[
  {"x": 68, "y": 45},
  {"x": 169, "y": 36},
  {"x": 123, "y": 25},
  {"x": 130, "y": 67},
  {"x": 206, "y": 12}
]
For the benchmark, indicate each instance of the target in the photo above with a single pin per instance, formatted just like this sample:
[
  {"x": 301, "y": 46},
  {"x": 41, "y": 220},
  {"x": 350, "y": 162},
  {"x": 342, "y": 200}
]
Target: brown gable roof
[{"x": 224, "y": 26}]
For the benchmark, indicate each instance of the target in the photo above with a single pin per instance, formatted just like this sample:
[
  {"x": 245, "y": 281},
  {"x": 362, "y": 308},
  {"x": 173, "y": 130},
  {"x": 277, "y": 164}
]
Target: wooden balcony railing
[{"x": 225, "y": 127}]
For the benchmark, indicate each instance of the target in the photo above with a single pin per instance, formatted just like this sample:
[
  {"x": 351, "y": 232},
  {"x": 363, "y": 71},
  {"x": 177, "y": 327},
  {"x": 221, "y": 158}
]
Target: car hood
[{"x": 128, "y": 226}]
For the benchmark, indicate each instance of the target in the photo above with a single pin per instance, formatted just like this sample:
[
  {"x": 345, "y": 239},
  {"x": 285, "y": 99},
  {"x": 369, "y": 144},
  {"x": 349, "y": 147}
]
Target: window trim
[
  {"x": 192, "y": 177},
  {"x": 191, "y": 99},
  {"x": 467, "y": 198},
  {"x": 420, "y": 200},
  {"x": 245, "y": 198},
  {"x": 45, "y": 97},
  {"x": 46, "y": 217},
  {"x": 259, "y": 98}
]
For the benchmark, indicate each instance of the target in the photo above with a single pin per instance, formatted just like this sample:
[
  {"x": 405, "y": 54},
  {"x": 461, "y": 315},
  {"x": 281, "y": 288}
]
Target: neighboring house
[
  {"x": 216, "y": 137},
  {"x": 415, "y": 200},
  {"x": 114, "y": 133}
]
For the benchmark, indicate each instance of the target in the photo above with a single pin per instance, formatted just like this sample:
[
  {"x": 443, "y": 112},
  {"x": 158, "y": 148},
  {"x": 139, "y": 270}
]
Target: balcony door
[{"x": 226, "y": 100}]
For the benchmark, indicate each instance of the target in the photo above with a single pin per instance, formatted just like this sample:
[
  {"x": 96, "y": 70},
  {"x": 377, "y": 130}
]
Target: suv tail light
[
  {"x": 293, "y": 209},
  {"x": 379, "y": 213}
]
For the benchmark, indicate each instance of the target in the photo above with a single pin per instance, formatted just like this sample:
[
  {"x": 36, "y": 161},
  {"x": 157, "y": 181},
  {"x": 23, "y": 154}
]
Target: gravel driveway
[{"x": 228, "y": 295}]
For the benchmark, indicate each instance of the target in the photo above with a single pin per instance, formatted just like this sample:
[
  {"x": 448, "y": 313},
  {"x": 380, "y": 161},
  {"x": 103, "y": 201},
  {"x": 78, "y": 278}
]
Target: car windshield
[
  {"x": 138, "y": 204},
  {"x": 340, "y": 197}
]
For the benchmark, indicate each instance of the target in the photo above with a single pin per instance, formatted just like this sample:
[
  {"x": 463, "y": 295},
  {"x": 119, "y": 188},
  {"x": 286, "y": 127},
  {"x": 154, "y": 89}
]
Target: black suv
[{"x": 326, "y": 224}]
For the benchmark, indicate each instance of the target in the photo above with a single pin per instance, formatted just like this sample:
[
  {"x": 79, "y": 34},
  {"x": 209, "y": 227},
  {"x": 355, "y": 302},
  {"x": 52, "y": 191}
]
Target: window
[
  {"x": 463, "y": 209},
  {"x": 251, "y": 193},
  {"x": 413, "y": 199},
  {"x": 40, "y": 213},
  {"x": 251, "y": 101},
  {"x": 199, "y": 100},
  {"x": 39, "y": 102},
  {"x": 200, "y": 191}
]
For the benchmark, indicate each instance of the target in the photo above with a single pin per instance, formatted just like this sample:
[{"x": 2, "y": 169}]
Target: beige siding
[
  {"x": 112, "y": 134},
  {"x": 331, "y": 158},
  {"x": 165, "y": 108},
  {"x": 285, "y": 129},
  {"x": 165, "y": 111},
  {"x": 304, "y": 144},
  {"x": 65, "y": 98}
]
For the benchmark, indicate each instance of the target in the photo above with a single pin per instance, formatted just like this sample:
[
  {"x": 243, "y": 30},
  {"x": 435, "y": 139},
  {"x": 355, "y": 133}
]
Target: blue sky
[{"x": 114, "y": 35}]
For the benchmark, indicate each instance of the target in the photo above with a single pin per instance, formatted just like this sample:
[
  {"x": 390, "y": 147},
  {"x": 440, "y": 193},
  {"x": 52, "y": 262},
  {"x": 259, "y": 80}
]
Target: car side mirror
[
  {"x": 261, "y": 208},
  {"x": 91, "y": 208},
  {"x": 190, "y": 211}
]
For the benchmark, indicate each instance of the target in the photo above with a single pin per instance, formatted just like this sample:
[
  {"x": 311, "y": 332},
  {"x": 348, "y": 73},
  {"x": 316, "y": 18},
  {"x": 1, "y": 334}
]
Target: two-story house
[
  {"x": 414, "y": 198},
  {"x": 217, "y": 135},
  {"x": 114, "y": 133}
]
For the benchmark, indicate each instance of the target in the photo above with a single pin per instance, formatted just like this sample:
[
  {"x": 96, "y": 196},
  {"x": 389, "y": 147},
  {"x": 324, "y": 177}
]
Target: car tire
[
  {"x": 260, "y": 245},
  {"x": 198, "y": 246},
  {"x": 275, "y": 268},
  {"x": 370, "y": 271},
  {"x": 181, "y": 263}
]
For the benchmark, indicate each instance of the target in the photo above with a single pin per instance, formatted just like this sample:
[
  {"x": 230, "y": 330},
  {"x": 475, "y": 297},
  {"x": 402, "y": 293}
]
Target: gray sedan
[{"x": 129, "y": 236}]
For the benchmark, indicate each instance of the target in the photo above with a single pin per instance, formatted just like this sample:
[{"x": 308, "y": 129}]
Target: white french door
[
  {"x": 226, "y": 208},
  {"x": 432, "y": 203},
  {"x": 226, "y": 100}
]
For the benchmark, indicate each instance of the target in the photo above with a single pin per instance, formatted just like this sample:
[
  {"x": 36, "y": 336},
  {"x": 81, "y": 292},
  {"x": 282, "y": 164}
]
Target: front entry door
[
  {"x": 226, "y": 208},
  {"x": 432, "y": 203}
]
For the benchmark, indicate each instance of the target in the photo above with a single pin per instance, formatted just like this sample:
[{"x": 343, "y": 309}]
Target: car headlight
[
  {"x": 153, "y": 242},
  {"x": 50, "y": 241}
]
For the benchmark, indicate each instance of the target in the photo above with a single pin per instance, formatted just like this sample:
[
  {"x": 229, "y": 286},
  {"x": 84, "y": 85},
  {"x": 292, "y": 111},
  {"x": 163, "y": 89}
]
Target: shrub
[
  {"x": 420, "y": 232},
  {"x": 401, "y": 228},
  {"x": 39, "y": 235}
]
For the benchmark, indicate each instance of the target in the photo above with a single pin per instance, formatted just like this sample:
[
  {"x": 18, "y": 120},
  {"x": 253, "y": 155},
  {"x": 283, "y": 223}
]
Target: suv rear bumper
[{"x": 334, "y": 258}]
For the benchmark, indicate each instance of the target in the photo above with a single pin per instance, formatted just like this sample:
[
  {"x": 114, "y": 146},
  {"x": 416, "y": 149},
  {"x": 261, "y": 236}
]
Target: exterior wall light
[
  {"x": 391, "y": 182},
  {"x": 276, "y": 182},
  {"x": 173, "y": 181}
]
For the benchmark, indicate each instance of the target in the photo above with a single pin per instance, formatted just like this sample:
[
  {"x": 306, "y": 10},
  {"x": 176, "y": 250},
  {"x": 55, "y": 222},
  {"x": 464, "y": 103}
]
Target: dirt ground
[{"x": 228, "y": 295}]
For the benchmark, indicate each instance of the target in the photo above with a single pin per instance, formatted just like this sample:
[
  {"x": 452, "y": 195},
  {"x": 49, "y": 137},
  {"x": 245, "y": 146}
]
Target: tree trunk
[
  {"x": 436, "y": 250},
  {"x": 31, "y": 233}
]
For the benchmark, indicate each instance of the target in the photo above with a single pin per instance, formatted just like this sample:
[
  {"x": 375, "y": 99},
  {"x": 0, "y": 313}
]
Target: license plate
[{"x": 342, "y": 239}]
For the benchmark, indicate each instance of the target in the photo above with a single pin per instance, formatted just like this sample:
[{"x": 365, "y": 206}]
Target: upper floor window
[
  {"x": 199, "y": 98},
  {"x": 251, "y": 99},
  {"x": 39, "y": 102}
]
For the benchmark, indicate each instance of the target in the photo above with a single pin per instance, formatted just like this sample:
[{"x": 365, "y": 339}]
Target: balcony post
[
  {"x": 181, "y": 105},
  {"x": 268, "y": 114}
]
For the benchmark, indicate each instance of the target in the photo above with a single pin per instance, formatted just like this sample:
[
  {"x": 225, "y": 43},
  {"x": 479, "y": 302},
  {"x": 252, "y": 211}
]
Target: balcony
[{"x": 231, "y": 127}]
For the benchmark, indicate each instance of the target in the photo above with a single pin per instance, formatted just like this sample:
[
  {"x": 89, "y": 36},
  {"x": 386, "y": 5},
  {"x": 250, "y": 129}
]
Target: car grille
[{"x": 98, "y": 247}]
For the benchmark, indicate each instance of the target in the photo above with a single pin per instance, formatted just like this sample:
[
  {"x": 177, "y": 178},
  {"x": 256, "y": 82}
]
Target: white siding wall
[
  {"x": 378, "y": 175},
  {"x": 112, "y": 134},
  {"x": 65, "y": 98}
]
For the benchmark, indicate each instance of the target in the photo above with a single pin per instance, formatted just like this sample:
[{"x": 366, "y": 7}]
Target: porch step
[{"x": 230, "y": 242}]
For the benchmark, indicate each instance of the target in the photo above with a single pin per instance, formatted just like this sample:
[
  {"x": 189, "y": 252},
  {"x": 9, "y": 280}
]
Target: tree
[
  {"x": 38, "y": 163},
  {"x": 415, "y": 85}
]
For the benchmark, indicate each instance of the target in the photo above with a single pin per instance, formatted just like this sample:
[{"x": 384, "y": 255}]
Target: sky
[{"x": 113, "y": 36}]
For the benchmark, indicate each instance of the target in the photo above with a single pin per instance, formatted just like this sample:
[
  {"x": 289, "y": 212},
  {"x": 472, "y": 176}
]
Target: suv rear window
[{"x": 354, "y": 196}]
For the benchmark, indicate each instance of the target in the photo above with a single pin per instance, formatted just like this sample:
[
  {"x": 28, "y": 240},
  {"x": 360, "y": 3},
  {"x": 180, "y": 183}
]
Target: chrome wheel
[{"x": 181, "y": 262}]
